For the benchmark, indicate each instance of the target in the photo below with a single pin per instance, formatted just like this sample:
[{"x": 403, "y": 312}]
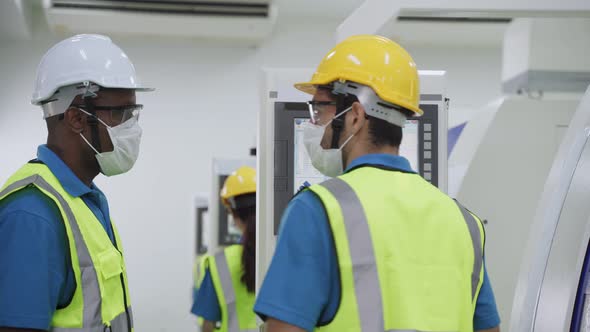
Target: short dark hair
[{"x": 383, "y": 133}]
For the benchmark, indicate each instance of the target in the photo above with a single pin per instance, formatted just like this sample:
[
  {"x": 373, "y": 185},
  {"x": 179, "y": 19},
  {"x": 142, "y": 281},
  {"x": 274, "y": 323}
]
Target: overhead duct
[
  {"x": 237, "y": 20},
  {"x": 249, "y": 8},
  {"x": 456, "y": 29},
  {"x": 431, "y": 19},
  {"x": 546, "y": 55}
]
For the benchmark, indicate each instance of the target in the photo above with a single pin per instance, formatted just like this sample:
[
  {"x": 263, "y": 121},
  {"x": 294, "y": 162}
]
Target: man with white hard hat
[{"x": 61, "y": 262}]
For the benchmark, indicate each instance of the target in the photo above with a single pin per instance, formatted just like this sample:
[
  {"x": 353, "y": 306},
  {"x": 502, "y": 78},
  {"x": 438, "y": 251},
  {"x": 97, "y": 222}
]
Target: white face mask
[
  {"x": 327, "y": 161},
  {"x": 126, "y": 138}
]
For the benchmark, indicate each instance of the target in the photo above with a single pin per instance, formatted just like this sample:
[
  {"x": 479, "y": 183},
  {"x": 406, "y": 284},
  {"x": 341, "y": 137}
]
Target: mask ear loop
[
  {"x": 351, "y": 136},
  {"x": 93, "y": 119},
  {"x": 90, "y": 116},
  {"x": 346, "y": 142},
  {"x": 92, "y": 147}
]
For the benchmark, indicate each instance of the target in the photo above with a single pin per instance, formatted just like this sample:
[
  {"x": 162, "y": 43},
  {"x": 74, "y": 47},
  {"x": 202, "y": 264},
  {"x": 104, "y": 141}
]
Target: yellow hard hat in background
[
  {"x": 240, "y": 182},
  {"x": 374, "y": 61}
]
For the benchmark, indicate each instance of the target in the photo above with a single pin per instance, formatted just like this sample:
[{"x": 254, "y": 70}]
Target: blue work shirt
[
  {"x": 205, "y": 301},
  {"x": 302, "y": 285},
  {"x": 36, "y": 275}
]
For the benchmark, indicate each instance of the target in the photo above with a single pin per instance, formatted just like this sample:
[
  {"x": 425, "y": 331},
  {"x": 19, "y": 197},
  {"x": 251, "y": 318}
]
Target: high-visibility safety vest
[
  {"x": 101, "y": 299},
  {"x": 410, "y": 258},
  {"x": 235, "y": 302}
]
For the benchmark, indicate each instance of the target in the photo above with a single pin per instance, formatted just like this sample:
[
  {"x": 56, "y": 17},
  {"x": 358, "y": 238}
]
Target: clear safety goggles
[
  {"x": 316, "y": 108},
  {"x": 118, "y": 114}
]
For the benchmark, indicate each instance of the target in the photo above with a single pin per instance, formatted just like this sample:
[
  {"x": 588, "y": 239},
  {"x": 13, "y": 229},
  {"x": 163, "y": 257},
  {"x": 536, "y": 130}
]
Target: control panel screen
[{"x": 303, "y": 169}]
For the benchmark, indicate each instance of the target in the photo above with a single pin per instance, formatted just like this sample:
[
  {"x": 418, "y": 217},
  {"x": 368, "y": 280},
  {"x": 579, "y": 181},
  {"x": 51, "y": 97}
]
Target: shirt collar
[
  {"x": 382, "y": 159},
  {"x": 69, "y": 181}
]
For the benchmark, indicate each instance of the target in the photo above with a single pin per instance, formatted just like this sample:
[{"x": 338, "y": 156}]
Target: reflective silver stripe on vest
[
  {"x": 228, "y": 291},
  {"x": 118, "y": 324},
  {"x": 130, "y": 312},
  {"x": 364, "y": 267},
  {"x": 473, "y": 226},
  {"x": 90, "y": 287}
]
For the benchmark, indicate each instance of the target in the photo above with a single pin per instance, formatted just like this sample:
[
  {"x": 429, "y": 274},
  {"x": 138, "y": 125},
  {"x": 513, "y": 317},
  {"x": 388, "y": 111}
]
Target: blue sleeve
[
  {"x": 486, "y": 313},
  {"x": 195, "y": 291},
  {"x": 33, "y": 264},
  {"x": 298, "y": 284},
  {"x": 206, "y": 304}
]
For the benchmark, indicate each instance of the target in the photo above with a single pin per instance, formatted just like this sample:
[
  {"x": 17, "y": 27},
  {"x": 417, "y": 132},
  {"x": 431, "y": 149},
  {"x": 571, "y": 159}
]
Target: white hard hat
[{"x": 86, "y": 59}]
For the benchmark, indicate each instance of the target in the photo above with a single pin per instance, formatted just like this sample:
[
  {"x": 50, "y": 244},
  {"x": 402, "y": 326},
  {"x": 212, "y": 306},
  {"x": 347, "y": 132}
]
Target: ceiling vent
[{"x": 236, "y": 20}]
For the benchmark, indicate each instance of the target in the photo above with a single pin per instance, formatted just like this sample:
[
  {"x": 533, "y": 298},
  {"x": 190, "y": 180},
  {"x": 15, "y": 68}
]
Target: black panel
[
  {"x": 429, "y": 119},
  {"x": 285, "y": 115}
]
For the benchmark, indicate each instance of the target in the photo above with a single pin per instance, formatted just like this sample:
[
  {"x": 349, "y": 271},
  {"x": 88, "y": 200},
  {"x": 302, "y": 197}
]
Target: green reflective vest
[
  {"x": 101, "y": 298},
  {"x": 235, "y": 302},
  {"x": 410, "y": 258}
]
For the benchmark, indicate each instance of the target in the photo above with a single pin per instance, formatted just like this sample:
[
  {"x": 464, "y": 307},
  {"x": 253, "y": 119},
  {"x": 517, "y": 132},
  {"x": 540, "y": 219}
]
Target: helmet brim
[{"x": 38, "y": 100}]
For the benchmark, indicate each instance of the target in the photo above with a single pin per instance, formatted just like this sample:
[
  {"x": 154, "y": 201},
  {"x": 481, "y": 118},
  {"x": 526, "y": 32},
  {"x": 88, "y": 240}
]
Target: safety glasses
[
  {"x": 118, "y": 114},
  {"x": 316, "y": 108}
]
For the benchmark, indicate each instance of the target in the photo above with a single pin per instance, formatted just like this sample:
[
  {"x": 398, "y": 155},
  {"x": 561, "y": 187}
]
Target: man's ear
[
  {"x": 74, "y": 120},
  {"x": 358, "y": 116}
]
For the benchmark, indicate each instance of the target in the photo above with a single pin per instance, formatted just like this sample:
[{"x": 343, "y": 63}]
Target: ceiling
[
  {"x": 326, "y": 9},
  {"x": 457, "y": 34},
  {"x": 15, "y": 22}
]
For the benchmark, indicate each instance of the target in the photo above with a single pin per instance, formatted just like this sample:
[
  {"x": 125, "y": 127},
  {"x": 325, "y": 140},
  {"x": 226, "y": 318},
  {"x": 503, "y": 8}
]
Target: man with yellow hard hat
[{"x": 376, "y": 248}]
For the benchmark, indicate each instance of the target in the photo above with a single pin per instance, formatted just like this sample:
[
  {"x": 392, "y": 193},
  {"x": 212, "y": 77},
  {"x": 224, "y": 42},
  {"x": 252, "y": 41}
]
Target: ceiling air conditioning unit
[{"x": 249, "y": 21}]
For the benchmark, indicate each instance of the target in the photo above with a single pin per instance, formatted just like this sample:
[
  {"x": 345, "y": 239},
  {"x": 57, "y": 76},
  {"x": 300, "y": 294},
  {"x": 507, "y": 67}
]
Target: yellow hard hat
[
  {"x": 240, "y": 182},
  {"x": 374, "y": 61}
]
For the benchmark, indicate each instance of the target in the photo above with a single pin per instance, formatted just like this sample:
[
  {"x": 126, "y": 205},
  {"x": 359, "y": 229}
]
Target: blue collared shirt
[
  {"x": 205, "y": 300},
  {"x": 36, "y": 275},
  {"x": 302, "y": 287}
]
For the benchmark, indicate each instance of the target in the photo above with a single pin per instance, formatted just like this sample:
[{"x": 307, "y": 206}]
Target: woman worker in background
[{"x": 225, "y": 296}]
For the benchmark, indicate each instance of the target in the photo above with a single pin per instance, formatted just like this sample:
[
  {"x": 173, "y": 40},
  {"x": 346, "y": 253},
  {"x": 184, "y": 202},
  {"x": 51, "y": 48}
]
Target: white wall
[
  {"x": 473, "y": 75},
  {"x": 205, "y": 106}
]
